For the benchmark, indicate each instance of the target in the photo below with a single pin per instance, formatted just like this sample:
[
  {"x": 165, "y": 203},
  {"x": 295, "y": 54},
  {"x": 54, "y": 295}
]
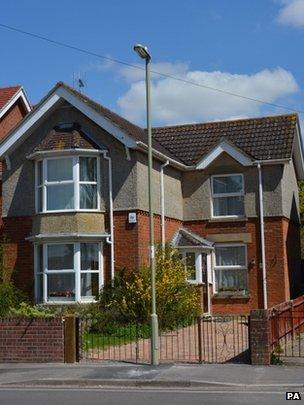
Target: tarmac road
[{"x": 115, "y": 396}]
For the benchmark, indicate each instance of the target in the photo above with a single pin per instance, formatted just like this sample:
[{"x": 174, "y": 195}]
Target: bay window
[
  {"x": 196, "y": 266},
  {"x": 67, "y": 183},
  {"x": 227, "y": 195},
  {"x": 68, "y": 272},
  {"x": 231, "y": 268}
]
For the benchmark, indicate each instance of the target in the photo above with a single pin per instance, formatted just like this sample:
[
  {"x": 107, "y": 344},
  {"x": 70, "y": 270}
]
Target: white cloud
[
  {"x": 174, "y": 69},
  {"x": 292, "y": 13},
  {"x": 175, "y": 102}
]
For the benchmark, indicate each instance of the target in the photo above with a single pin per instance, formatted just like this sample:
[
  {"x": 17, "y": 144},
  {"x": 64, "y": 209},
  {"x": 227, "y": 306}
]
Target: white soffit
[
  {"x": 220, "y": 148},
  {"x": 20, "y": 133}
]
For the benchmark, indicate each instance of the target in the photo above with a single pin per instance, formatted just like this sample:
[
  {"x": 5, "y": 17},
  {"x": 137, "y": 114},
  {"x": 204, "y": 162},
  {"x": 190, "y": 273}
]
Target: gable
[
  {"x": 54, "y": 99},
  {"x": 224, "y": 148}
]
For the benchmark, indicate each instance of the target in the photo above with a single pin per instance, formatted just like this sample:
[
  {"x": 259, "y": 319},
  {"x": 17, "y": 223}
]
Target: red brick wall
[
  {"x": 132, "y": 240},
  {"x": 31, "y": 340},
  {"x": 20, "y": 253},
  {"x": 11, "y": 118},
  {"x": 279, "y": 269}
]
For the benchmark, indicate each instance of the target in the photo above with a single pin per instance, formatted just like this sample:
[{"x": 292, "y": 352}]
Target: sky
[{"x": 251, "y": 48}]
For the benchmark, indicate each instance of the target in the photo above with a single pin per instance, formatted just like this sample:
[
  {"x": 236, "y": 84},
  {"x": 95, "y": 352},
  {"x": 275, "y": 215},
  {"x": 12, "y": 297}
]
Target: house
[
  {"x": 75, "y": 205},
  {"x": 14, "y": 106}
]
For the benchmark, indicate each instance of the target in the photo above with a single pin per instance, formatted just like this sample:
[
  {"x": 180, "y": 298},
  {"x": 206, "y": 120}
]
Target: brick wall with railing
[{"x": 276, "y": 329}]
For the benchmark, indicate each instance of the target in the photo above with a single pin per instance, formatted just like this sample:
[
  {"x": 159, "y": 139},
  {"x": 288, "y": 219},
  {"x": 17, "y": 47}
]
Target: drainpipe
[
  {"x": 162, "y": 204},
  {"x": 262, "y": 236},
  {"x": 110, "y": 240}
]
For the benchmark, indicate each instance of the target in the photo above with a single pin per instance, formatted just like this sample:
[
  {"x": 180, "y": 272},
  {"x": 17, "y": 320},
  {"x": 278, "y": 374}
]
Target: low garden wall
[
  {"x": 268, "y": 327},
  {"x": 31, "y": 339}
]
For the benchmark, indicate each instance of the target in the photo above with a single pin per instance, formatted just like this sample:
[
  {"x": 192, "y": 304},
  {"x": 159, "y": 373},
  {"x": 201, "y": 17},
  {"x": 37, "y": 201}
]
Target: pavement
[{"x": 111, "y": 374}]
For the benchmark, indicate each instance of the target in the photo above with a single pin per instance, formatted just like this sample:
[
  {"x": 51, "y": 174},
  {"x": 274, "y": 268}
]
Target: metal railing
[
  {"x": 217, "y": 339},
  {"x": 287, "y": 329}
]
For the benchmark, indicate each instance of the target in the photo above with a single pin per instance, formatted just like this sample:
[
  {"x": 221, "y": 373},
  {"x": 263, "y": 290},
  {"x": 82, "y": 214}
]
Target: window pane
[
  {"x": 39, "y": 172},
  {"x": 88, "y": 196},
  {"x": 39, "y": 281},
  {"x": 227, "y": 184},
  {"x": 39, "y": 258},
  {"x": 60, "y": 197},
  {"x": 223, "y": 206},
  {"x": 231, "y": 280},
  {"x": 39, "y": 199},
  {"x": 230, "y": 256},
  {"x": 61, "y": 287},
  {"x": 89, "y": 256},
  {"x": 89, "y": 284},
  {"x": 60, "y": 169},
  {"x": 190, "y": 265},
  {"x": 88, "y": 169},
  {"x": 60, "y": 257}
]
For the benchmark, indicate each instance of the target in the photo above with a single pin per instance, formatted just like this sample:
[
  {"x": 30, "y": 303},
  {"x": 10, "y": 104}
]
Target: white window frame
[
  {"x": 198, "y": 265},
  {"x": 233, "y": 267},
  {"x": 76, "y": 270},
  {"x": 76, "y": 181},
  {"x": 225, "y": 195}
]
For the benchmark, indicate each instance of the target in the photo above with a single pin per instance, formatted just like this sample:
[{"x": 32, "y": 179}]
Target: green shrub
[
  {"x": 31, "y": 311},
  {"x": 10, "y": 297},
  {"x": 129, "y": 299}
]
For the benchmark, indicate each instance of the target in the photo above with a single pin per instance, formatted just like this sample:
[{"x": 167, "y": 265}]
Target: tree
[{"x": 129, "y": 299}]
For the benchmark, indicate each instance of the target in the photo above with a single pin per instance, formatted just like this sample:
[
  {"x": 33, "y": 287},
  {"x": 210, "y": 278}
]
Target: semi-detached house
[{"x": 75, "y": 205}]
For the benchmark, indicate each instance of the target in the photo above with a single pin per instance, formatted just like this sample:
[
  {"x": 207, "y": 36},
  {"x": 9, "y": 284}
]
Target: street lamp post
[{"x": 142, "y": 51}]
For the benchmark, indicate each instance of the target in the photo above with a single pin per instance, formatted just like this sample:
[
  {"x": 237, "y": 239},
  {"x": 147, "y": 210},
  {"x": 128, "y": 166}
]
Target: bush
[
  {"x": 31, "y": 311},
  {"x": 129, "y": 299},
  {"x": 10, "y": 297}
]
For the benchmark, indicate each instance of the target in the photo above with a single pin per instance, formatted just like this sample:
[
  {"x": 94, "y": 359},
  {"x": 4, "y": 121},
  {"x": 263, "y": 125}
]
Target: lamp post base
[{"x": 154, "y": 340}]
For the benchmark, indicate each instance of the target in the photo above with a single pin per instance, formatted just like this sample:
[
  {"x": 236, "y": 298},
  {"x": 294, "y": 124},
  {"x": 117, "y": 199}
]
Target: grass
[{"x": 118, "y": 336}]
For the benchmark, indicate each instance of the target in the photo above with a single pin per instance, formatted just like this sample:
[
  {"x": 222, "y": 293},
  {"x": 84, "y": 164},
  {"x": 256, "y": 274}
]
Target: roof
[
  {"x": 6, "y": 93},
  {"x": 136, "y": 132},
  {"x": 71, "y": 137},
  {"x": 263, "y": 138},
  {"x": 185, "y": 238}
]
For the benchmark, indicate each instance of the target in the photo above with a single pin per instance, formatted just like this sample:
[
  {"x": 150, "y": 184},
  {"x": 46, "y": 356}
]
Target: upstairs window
[
  {"x": 227, "y": 195},
  {"x": 67, "y": 183}
]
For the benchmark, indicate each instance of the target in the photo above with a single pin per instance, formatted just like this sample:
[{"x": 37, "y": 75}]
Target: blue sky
[{"x": 254, "y": 48}]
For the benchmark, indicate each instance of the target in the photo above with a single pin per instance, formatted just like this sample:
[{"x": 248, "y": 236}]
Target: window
[
  {"x": 67, "y": 183},
  {"x": 196, "y": 265},
  {"x": 68, "y": 272},
  {"x": 227, "y": 195},
  {"x": 230, "y": 268}
]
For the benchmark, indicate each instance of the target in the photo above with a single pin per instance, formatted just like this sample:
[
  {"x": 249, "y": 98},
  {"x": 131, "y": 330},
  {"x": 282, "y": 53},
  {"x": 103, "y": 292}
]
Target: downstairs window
[
  {"x": 231, "y": 268},
  {"x": 68, "y": 272}
]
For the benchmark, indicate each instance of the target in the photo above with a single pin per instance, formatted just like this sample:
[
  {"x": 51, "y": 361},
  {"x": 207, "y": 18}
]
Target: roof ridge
[{"x": 226, "y": 121}]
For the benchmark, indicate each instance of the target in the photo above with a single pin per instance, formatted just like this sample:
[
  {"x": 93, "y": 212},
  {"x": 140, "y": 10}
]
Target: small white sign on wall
[{"x": 132, "y": 218}]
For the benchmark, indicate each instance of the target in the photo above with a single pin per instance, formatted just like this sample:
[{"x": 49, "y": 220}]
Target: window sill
[
  {"x": 68, "y": 212},
  {"x": 230, "y": 296},
  {"x": 228, "y": 219}
]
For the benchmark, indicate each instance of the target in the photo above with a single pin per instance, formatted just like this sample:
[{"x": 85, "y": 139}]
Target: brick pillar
[{"x": 259, "y": 332}]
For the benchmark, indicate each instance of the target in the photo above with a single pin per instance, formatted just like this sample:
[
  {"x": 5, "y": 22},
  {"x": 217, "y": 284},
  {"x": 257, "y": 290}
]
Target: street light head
[{"x": 142, "y": 51}]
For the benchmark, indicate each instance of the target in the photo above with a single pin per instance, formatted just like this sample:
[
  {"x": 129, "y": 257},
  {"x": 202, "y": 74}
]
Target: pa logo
[{"x": 293, "y": 396}]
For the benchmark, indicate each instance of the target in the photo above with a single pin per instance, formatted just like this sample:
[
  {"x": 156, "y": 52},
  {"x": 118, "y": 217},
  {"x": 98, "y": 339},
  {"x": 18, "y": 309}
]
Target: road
[{"x": 109, "y": 396}]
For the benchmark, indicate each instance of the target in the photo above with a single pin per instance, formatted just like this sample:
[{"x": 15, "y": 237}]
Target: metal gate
[{"x": 216, "y": 339}]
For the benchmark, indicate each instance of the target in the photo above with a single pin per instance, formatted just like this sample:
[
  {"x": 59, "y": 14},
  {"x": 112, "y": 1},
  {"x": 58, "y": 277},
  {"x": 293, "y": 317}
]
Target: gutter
[
  {"x": 262, "y": 230},
  {"x": 162, "y": 204},
  {"x": 110, "y": 240}
]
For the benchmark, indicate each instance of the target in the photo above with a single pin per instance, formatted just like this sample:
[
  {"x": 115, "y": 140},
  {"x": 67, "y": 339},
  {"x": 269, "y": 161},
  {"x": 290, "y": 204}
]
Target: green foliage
[
  {"x": 31, "y": 311},
  {"x": 275, "y": 356},
  {"x": 10, "y": 297},
  {"x": 129, "y": 299}
]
